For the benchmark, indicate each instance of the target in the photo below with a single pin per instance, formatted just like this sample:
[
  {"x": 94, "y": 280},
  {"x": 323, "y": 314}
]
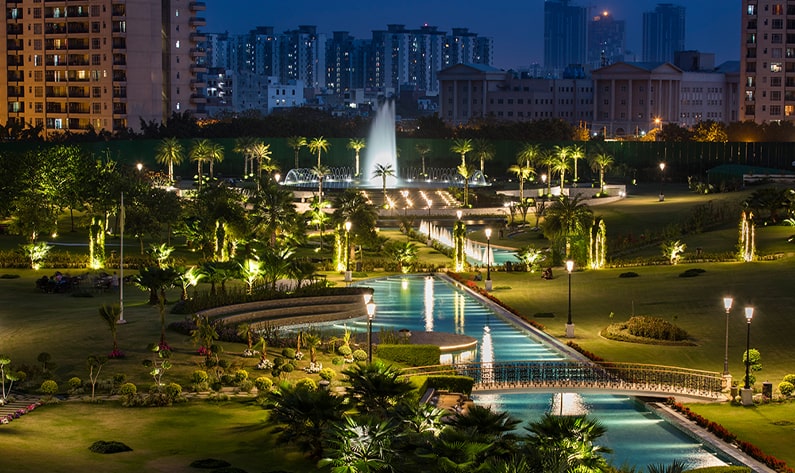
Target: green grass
[{"x": 57, "y": 437}]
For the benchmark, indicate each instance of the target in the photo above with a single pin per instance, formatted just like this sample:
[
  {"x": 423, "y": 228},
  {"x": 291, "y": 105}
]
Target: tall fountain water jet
[{"x": 381, "y": 148}]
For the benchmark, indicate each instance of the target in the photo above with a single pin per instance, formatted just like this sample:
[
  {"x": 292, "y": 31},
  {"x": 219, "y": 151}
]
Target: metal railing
[{"x": 604, "y": 376}]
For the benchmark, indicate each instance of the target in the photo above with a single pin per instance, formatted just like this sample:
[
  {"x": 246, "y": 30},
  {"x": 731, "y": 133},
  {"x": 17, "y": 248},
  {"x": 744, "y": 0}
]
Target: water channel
[{"x": 424, "y": 303}]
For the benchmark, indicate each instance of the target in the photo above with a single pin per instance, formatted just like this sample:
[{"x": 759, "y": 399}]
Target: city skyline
[{"x": 517, "y": 28}]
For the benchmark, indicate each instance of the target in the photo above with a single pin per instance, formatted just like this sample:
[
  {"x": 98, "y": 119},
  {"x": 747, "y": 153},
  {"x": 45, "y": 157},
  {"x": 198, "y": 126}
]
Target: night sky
[{"x": 517, "y": 26}]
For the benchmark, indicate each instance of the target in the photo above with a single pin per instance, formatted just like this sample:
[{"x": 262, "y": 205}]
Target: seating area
[{"x": 64, "y": 283}]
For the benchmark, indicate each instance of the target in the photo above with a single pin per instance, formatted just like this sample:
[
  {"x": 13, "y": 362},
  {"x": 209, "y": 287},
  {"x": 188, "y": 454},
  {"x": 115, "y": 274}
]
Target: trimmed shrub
[
  {"x": 692, "y": 272},
  {"x": 790, "y": 378},
  {"x": 327, "y": 373},
  {"x": 49, "y": 387},
  {"x": 200, "y": 376},
  {"x": 306, "y": 383},
  {"x": 245, "y": 386},
  {"x": 359, "y": 355},
  {"x": 288, "y": 368},
  {"x": 288, "y": 353},
  {"x": 628, "y": 274},
  {"x": 452, "y": 383},
  {"x": 278, "y": 362},
  {"x": 655, "y": 328},
  {"x": 74, "y": 383},
  {"x": 344, "y": 350},
  {"x": 128, "y": 389},
  {"x": 786, "y": 388},
  {"x": 173, "y": 390},
  {"x": 101, "y": 446},
  {"x": 263, "y": 384},
  {"x": 411, "y": 355},
  {"x": 337, "y": 360},
  {"x": 241, "y": 375}
]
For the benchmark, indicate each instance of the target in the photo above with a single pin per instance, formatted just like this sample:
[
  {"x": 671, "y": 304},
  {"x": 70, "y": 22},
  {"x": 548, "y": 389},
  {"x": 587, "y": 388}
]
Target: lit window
[{"x": 776, "y": 67}]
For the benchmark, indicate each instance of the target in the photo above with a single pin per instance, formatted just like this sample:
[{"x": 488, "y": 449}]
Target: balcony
[
  {"x": 197, "y": 6},
  {"x": 198, "y": 68},
  {"x": 198, "y": 98},
  {"x": 198, "y": 83},
  {"x": 197, "y": 22},
  {"x": 198, "y": 52},
  {"x": 198, "y": 37}
]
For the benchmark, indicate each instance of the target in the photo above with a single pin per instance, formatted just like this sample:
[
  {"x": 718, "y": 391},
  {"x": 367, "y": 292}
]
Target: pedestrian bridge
[{"x": 628, "y": 378}]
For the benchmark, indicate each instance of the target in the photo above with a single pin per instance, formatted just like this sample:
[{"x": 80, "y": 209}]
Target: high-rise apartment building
[
  {"x": 663, "y": 32},
  {"x": 767, "y": 58},
  {"x": 74, "y": 65},
  {"x": 606, "y": 40},
  {"x": 565, "y": 34}
]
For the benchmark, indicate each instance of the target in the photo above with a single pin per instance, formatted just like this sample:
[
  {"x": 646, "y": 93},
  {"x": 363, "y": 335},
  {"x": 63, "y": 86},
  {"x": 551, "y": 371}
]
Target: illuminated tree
[
  {"x": 170, "y": 152},
  {"x": 560, "y": 164},
  {"x": 485, "y": 151},
  {"x": 423, "y": 150},
  {"x": 601, "y": 162},
  {"x": 318, "y": 145},
  {"x": 383, "y": 171},
  {"x": 296, "y": 143},
  {"x": 597, "y": 247},
  {"x": 356, "y": 144},
  {"x": 462, "y": 146},
  {"x": 747, "y": 245}
]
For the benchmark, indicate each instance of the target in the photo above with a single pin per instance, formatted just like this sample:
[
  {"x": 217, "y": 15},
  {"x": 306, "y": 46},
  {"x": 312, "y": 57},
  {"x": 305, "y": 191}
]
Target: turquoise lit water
[{"x": 423, "y": 303}]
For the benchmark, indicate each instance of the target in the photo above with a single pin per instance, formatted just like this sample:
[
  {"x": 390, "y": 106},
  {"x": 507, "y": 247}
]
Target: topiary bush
[
  {"x": 359, "y": 355},
  {"x": 74, "y": 383},
  {"x": 327, "y": 373},
  {"x": 344, "y": 350},
  {"x": 288, "y": 353},
  {"x": 241, "y": 375},
  {"x": 790, "y": 378},
  {"x": 786, "y": 388},
  {"x": 306, "y": 383},
  {"x": 263, "y": 384},
  {"x": 692, "y": 272},
  {"x": 655, "y": 328},
  {"x": 337, "y": 360},
  {"x": 49, "y": 387},
  {"x": 173, "y": 391},
  {"x": 200, "y": 376}
]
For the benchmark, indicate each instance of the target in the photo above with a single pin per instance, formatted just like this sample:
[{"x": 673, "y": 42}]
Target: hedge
[
  {"x": 451, "y": 383},
  {"x": 411, "y": 355}
]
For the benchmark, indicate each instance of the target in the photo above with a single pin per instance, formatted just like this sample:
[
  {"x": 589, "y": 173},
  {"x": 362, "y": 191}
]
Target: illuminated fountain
[{"x": 381, "y": 148}]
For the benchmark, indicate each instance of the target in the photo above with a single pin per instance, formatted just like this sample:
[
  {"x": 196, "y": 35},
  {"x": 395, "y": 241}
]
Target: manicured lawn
[{"x": 57, "y": 437}]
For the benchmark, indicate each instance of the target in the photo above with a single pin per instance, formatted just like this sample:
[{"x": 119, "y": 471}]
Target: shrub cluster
[
  {"x": 101, "y": 446},
  {"x": 451, "y": 383},
  {"x": 655, "y": 328}
]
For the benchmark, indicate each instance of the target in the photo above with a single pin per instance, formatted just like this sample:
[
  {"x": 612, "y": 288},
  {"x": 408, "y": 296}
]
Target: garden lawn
[
  {"x": 56, "y": 438},
  {"x": 770, "y": 427}
]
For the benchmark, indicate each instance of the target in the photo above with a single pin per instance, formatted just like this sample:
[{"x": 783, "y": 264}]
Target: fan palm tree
[
  {"x": 576, "y": 153},
  {"x": 523, "y": 172},
  {"x": 566, "y": 218},
  {"x": 356, "y": 144},
  {"x": 320, "y": 172},
  {"x": 215, "y": 154},
  {"x": 318, "y": 145},
  {"x": 566, "y": 443},
  {"x": 243, "y": 146},
  {"x": 274, "y": 212},
  {"x": 423, "y": 150},
  {"x": 296, "y": 143},
  {"x": 170, "y": 152},
  {"x": 362, "y": 446},
  {"x": 466, "y": 171},
  {"x": 462, "y": 146},
  {"x": 376, "y": 387},
  {"x": 601, "y": 162},
  {"x": 383, "y": 171},
  {"x": 199, "y": 152},
  {"x": 484, "y": 150},
  {"x": 529, "y": 153},
  {"x": 560, "y": 164},
  {"x": 261, "y": 152},
  {"x": 547, "y": 158}
]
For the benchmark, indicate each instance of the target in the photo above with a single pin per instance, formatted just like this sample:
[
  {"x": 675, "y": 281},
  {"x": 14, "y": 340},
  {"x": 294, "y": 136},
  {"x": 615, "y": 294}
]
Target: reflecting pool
[{"x": 424, "y": 303}]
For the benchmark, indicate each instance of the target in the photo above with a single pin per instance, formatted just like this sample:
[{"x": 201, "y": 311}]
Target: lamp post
[
  {"x": 405, "y": 195},
  {"x": 727, "y": 378},
  {"x": 747, "y": 394},
  {"x": 488, "y": 259},
  {"x": 569, "y": 323},
  {"x": 370, "y": 315},
  {"x": 348, "y": 274},
  {"x": 544, "y": 184},
  {"x": 662, "y": 181}
]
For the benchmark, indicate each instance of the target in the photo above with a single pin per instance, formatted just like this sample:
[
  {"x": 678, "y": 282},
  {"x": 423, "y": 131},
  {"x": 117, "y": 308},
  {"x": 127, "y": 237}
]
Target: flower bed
[{"x": 7, "y": 418}]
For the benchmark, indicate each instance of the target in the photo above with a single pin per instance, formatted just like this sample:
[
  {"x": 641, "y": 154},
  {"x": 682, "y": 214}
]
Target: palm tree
[
  {"x": 318, "y": 215},
  {"x": 566, "y": 443},
  {"x": 215, "y": 154},
  {"x": 376, "y": 387},
  {"x": 601, "y": 162},
  {"x": 523, "y": 172},
  {"x": 403, "y": 253},
  {"x": 261, "y": 152},
  {"x": 243, "y": 145},
  {"x": 529, "y": 153},
  {"x": 170, "y": 152},
  {"x": 547, "y": 158},
  {"x": 566, "y": 218},
  {"x": 198, "y": 152},
  {"x": 318, "y": 145},
  {"x": 251, "y": 271},
  {"x": 466, "y": 171},
  {"x": 110, "y": 314},
  {"x": 312, "y": 341},
  {"x": 296, "y": 143},
  {"x": 155, "y": 280},
  {"x": 383, "y": 171},
  {"x": 462, "y": 146},
  {"x": 484, "y": 150},
  {"x": 303, "y": 416},
  {"x": 362, "y": 446},
  {"x": 320, "y": 172},
  {"x": 356, "y": 144},
  {"x": 423, "y": 150},
  {"x": 560, "y": 164},
  {"x": 576, "y": 153}
]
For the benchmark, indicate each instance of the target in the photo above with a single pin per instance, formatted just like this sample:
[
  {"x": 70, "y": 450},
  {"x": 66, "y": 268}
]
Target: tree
[
  {"x": 189, "y": 277},
  {"x": 274, "y": 212},
  {"x": 215, "y": 154},
  {"x": 529, "y": 153},
  {"x": 523, "y": 172},
  {"x": 318, "y": 216},
  {"x": 376, "y": 387},
  {"x": 710, "y": 131},
  {"x": 560, "y": 164},
  {"x": 485, "y": 151},
  {"x": 466, "y": 171},
  {"x": 383, "y": 171},
  {"x": 462, "y": 146},
  {"x": 566, "y": 219},
  {"x": 320, "y": 172},
  {"x": 566, "y": 444},
  {"x": 362, "y": 446},
  {"x": 403, "y": 253},
  {"x": 95, "y": 364},
  {"x": 296, "y": 143},
  {"x": 672, "y": 249},
  {"x": 204, "y": 335},
  {"x": 170, "y": 152},
  {"x": 423, "y": 150},
  {"x": 601, "y": 162},
  {"x": 261, "y": 152},
  {"x": 251, "y": 270},
  {"x": 199, "y": 152},
  {"x": 243, "y": 146},
  {"x": 155, "y": 280},
  {"x": 356, "y": 144},
  {"x": 318, "y": 145},
  {"x": 576, "y": 153},
  {"x": 110, "y": 314},
  {"x": 302, "y": 416}
]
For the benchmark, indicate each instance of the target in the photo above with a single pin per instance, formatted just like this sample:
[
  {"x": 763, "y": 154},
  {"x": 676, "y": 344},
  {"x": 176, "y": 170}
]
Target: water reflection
[{"x": 428, "y": 309}]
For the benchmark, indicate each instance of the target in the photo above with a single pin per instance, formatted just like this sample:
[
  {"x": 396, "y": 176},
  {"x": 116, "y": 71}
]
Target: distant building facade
[
  {"x": 565, "y": 34},
  {"x": 663, "y": 32},
  {"x": 100, "y": 64},
  {"x": 606, "y": 40}
]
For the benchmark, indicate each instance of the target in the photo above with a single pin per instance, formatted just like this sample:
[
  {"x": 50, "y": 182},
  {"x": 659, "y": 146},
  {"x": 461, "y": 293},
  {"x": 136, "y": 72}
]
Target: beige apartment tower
[
  {"x": 76, "y": 65},
  {"x": 767, "y": 72}
]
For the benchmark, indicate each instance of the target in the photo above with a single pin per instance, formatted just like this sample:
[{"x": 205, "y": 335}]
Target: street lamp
[
  {"x": 488, "y": 259},
  {"x": 348, "y": 275},
  {"x": 662, "y": 181},
  {"x": 429, "y": 211},
  {"x": 727, "y": 304},
  {"x": 370, "y": 315},
  {"x": 569, "y": 323},
  {"x": 747, "y": 394}
]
